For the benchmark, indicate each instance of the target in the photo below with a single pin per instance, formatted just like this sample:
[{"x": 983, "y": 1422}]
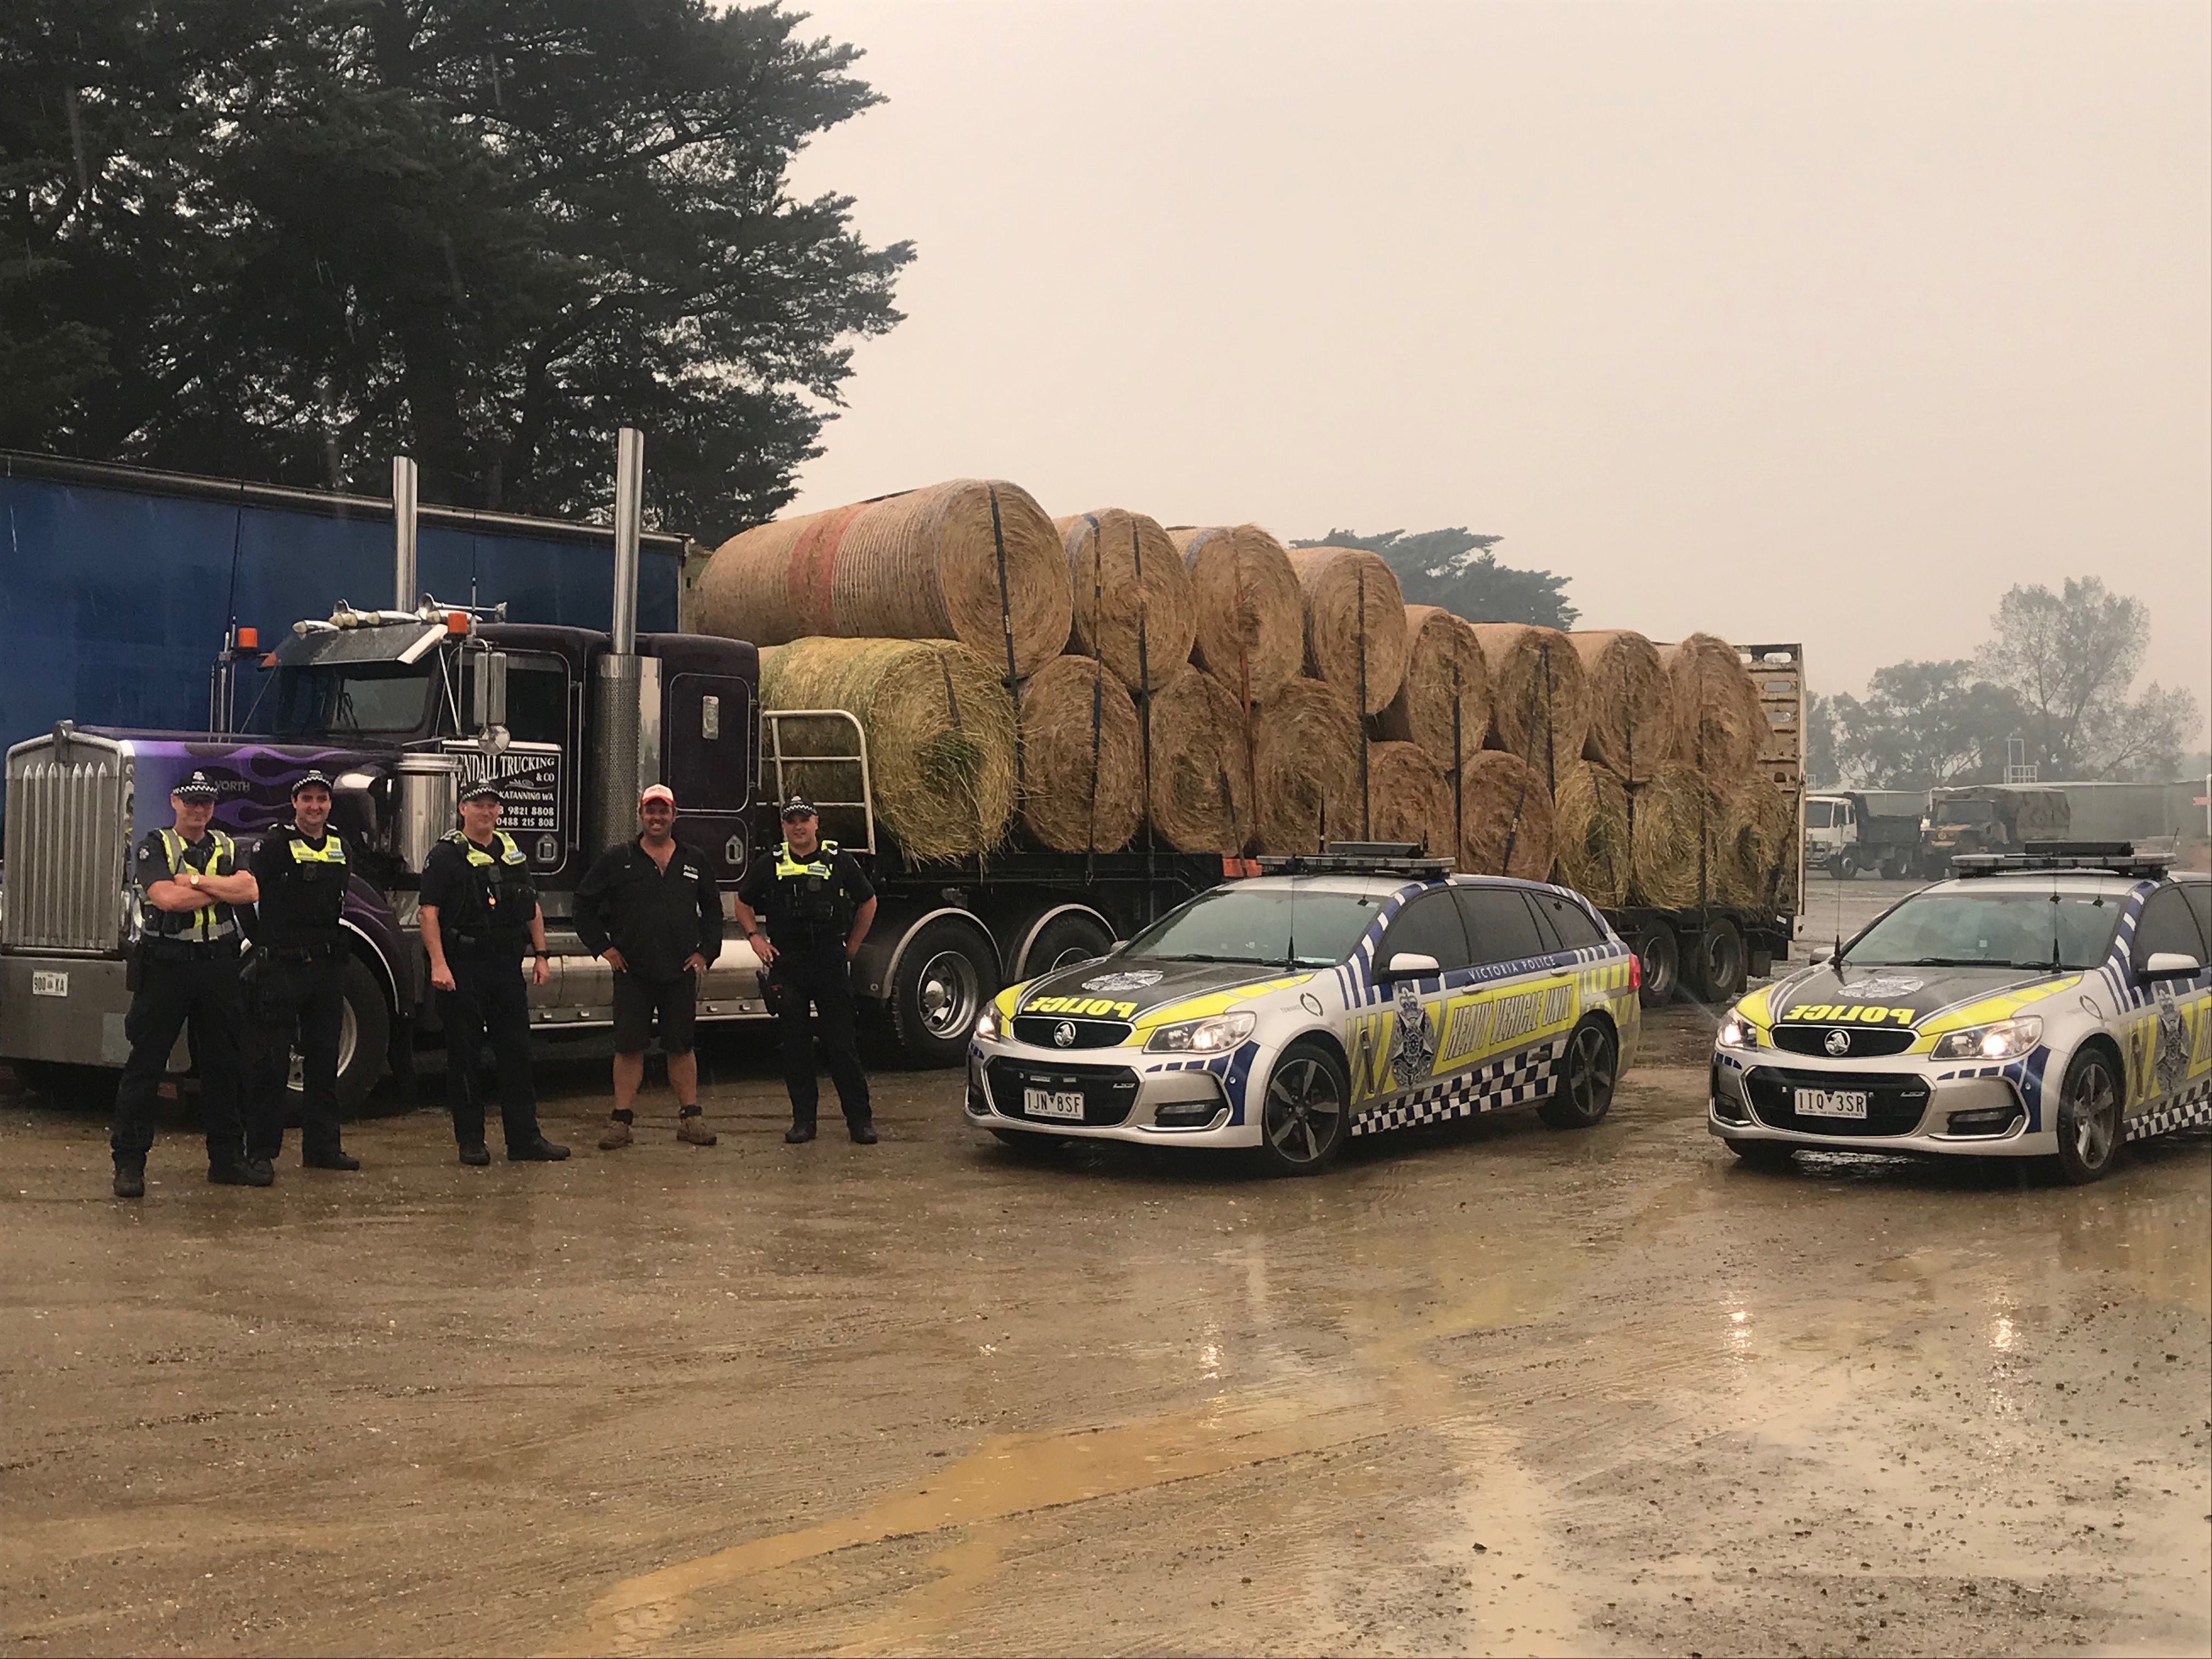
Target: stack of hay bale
[{"x": 1085, "y": 682}]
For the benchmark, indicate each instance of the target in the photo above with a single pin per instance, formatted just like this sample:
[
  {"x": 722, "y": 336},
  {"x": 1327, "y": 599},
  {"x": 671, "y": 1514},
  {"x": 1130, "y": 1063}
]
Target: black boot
[
  {"x": 798, "y": 1134},
  {"x": 864, "y": 1134},
  {"x": 130, "y": 1180},
  {"x": 540, "y": 1151},
  {"x": 332, "y": 1160},
  {"x": 245, "y": 1172},
  {"x": 475, "y": 1157}
]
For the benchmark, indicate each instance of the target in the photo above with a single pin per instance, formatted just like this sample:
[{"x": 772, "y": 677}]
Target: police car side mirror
[
  {"x": 1820, "y": 953},
  {"x": 2170, "y": 964},
  {"x": 1410, "y": 964}
]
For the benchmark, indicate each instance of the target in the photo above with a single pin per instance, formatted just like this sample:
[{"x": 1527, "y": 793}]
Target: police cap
[
  {"x": 198, "y": 787},
  {"x": 483, "y": 789},
  {"x": 311, "y": 778},
  {"x": 798, "y": 807}
]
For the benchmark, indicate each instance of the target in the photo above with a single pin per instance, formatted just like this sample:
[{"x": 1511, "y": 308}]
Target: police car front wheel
[
  {"x": 1303, "y": 1115},
  {"x": 2088, "y": 1118}
]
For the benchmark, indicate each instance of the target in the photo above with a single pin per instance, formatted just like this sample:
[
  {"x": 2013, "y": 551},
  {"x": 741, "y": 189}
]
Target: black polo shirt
[{"x": 655, "y": 917}]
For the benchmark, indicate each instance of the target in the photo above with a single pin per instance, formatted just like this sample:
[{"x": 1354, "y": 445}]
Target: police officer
[
  {"x": 650, "y": 908},
  {"x": 189, "y": 885},
  {"x": 298, "y": 955},
  {"x": 479, "y": 908},
  {"x": 817, "y": 904}
]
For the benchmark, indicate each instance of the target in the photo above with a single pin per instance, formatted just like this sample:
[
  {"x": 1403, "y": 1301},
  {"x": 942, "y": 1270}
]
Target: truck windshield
[
  {"x": 1819, "y": 814},
  {"x": 356, "y": 700},
  {"x": 2001, "y": 928},
  {"x": 1279, "y": 926}
]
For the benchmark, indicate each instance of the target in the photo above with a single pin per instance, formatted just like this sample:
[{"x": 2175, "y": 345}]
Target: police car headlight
[
  {"x": 1202, "y": 1036},
  {"x": 1737, "y": 1032},
  {"x": 2007, "y": 1039},
  {"x": 986, "y": 1024}
]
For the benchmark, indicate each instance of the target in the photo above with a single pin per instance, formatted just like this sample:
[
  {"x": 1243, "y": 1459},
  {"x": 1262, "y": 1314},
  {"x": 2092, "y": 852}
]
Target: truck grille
[
  {"x": 68, "y": 826},
  {"x": 1895, "y": 1102}
]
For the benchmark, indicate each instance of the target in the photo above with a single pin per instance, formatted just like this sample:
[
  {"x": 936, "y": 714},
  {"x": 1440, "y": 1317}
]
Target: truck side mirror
[{"x": 491, "y": 690}]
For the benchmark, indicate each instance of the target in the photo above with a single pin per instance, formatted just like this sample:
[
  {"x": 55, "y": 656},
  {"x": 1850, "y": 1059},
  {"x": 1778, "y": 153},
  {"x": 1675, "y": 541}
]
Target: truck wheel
[
  {"x": 1585, "y": 1090},
  {"x": 1063, "y": 942},
  {"x": 1894, "y": 870},
  {"x": 2088, "y": 1118},
  {"x": 1304, "y": 1118},
  {"x": 946, "y": 974},
  {"x": 364, "y": 1037},
  {"x": 1843, "y": 866},
  {"x": 1661, "y": 954},
  {"x": 78, "y": 1088},
  {"x": 1716, "y": 969}
]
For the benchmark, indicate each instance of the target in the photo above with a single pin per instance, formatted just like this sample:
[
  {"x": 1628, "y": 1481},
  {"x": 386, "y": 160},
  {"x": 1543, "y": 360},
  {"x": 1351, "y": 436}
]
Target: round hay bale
[
  {"x": 1201, "y": 792},
  {"x": 1305, "y": 755},
  {"x": 1135, "y": 607},
  {"x": 1082, "y": 771},
  {"x": 1251, "y": 615},
  {"x": 1761, "y": 829},
  {"x": 1538, "y": 703},
  {"x": 1677, "y": 842},
  {"x": 1591, "y": 835},
  {"x": 1355, "y": 622},
  {"x": 1406, "y": 799},
  {"x": 1446, "y": 684},
  {"x": 1506, "y": 825},
  {"x": 1631, "y": 714},
  {"x": 1719, "y": 725},
  {"x": 925, "y": 565},
  {"x": 940, "y": 732}
]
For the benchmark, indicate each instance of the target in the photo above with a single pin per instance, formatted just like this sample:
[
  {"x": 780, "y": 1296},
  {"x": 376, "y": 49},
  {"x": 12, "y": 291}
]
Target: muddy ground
[{"x": 1491, "y": 1389}]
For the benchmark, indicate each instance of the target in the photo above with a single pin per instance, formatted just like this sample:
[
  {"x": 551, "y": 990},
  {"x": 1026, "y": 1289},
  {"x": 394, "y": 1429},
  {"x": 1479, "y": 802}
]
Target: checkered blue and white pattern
[
  {"x": 2192, "y": 1105},
  {"x": 1519, "y": 1079}
]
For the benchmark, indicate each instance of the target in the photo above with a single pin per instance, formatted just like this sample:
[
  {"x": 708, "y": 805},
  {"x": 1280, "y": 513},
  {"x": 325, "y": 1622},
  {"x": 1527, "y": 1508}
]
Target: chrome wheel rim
[
  {"x": 1304, "y": 1111},
  {"x": 951, "y": 995},
  {"x": 2096, "y": 1115},
  {"x": 1590, "y": 1070},
  {"x": 348, "y": 1040},
  {"x": 1658, "y": 968}
]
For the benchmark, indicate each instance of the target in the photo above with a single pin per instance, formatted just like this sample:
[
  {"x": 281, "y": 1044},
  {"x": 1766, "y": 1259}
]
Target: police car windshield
[
  {"x": 1278, "y": 925},
  {"x": 1996, "y": 927}
]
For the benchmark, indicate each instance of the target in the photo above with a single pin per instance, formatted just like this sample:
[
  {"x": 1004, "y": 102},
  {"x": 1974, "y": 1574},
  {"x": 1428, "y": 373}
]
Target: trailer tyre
[
  {"x": 1715, "y": 971},
  {"x": 79, "y": 1088},
  {"x": 1064, "y": 941},
  {"x": 1661, "y": 954},
  {"x": 946, "y": 974}
]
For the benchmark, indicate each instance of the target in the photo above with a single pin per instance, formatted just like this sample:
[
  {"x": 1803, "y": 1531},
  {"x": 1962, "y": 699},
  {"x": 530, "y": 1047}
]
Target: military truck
[{"x": 1989, "y": 817}]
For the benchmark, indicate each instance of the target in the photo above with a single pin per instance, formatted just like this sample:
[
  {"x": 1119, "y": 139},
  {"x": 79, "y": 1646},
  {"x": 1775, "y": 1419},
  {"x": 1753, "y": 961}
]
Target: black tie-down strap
[{"x": 1006, "y": 629}]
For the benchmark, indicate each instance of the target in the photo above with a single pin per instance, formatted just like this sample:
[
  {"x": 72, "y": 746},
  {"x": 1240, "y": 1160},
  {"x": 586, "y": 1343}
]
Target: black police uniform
[
  {"x": 485, "y": 897},
  {"x": 807, "y": 906},
  {"x": 299, "y": 954},
  {"x": 187, "y": 972},
  {"x": 656, "y": 917}
]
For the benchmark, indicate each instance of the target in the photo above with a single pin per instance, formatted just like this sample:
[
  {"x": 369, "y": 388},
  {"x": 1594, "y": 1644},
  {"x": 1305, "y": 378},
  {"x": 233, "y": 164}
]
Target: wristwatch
[{"x": 193, "y": 877}]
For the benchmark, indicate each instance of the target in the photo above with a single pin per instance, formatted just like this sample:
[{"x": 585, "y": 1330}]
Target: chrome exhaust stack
[
  {"x": 616, "y": 705},
  {"x": 405, "y": 594}
]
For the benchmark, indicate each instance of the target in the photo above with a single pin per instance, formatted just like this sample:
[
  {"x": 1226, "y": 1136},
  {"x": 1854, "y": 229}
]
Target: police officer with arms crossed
[
  {"x": 650, "y": 908},
  {"x": 298, "y": 952},
  {"x": 479, "y": 907},
  {"x": 817, "y": 904},
  {"x": 189, "y": 884}
]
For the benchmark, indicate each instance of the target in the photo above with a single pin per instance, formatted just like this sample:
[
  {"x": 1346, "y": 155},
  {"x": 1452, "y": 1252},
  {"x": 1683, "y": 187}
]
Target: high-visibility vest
[{"x": 212, "y": 921}]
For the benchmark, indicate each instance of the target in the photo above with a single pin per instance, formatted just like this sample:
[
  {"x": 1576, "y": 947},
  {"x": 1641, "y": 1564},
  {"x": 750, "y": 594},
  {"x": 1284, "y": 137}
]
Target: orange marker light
[
  {"x": 249, "y": 639},
  {"x": 457, "y": 622}
]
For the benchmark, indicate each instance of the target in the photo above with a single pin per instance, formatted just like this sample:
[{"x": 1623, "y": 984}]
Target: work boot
[
  {"x": 864, "y": 1134},
  {"x": 130, "y": 1180},
  {"x": 540, "y": 1151},
  {"x": 246, "y": 1172},
  {"x": 617, "y": 1136},
  {"x": 475, "y": 1156},
  {"x": 691, "y": 1129},
  {"x": 335, "y": 1160},
  {"x": 798, "y": 1134}
]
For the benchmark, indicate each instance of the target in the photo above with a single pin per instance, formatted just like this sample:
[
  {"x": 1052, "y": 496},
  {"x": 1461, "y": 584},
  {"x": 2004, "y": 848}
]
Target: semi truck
[{"x": 404, "y": 705}]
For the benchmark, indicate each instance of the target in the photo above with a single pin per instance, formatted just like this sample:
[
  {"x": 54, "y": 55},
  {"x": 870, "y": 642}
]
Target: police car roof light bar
[
  {"x": 1359, "y": 858},
  {"x": 2111, "y": 858}
]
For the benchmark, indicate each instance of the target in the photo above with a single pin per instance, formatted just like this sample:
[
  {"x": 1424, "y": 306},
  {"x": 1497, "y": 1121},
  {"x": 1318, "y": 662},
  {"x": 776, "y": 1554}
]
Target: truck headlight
[
  {"x": 1202, "y": 1036},
  {"x": 1737, "y": 1032},
  {"x": 986, "y": 1024},
  {"x": 2007, "y": 1039}
]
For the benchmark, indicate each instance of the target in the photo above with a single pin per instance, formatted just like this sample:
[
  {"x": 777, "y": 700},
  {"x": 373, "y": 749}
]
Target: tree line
[
  {"x": 285, "y": 241},
  {"x": 2057, "y": 675}
]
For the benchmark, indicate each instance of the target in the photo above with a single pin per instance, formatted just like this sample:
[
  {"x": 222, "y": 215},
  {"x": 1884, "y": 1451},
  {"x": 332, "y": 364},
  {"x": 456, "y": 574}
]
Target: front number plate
[
  {"x": 1832, "y": 1102},
  {"x": 1054, "y": 1103},
  {"x": 45, "y": 984}
]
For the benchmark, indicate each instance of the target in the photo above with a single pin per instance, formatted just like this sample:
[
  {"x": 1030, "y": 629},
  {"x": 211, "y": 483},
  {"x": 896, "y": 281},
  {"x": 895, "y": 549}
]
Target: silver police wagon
[
  {"x": 2051, "y": 1003},
  {"x": 1336, "y": 995}
]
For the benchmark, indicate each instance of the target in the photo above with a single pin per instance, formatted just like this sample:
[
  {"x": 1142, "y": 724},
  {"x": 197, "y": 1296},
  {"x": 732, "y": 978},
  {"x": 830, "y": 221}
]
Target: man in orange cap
[{"x": 650, "y": 908}]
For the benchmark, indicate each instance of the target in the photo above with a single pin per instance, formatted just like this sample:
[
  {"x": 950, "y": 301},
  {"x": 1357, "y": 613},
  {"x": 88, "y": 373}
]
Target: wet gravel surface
[{"x": 1487, "y": 1388}]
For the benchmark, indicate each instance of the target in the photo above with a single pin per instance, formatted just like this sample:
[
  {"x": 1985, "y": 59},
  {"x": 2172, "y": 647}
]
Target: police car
[
  {"x": 1343, "y": 994},
  {"x": 2054, "y": 1003}
]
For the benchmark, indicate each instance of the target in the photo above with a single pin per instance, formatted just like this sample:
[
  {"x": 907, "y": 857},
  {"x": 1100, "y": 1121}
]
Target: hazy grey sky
[{"x": 1792, "y": 321}]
